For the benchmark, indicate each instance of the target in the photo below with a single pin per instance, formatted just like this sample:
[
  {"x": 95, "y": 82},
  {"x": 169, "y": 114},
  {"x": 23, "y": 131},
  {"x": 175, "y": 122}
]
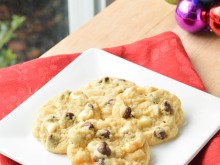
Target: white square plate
[{"x": 202, "y": 111}]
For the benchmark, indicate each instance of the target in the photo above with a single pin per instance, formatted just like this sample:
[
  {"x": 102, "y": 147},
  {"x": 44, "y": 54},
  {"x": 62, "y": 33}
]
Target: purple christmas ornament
[{"x": 188, "y": 16}]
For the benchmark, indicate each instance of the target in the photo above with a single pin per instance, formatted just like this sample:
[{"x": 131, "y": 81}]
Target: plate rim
[{"x": 83, "y": 55}]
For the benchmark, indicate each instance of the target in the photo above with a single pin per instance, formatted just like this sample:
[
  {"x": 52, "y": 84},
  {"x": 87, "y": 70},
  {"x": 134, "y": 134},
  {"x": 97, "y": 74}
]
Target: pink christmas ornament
[{"x": 189, "y": 16}]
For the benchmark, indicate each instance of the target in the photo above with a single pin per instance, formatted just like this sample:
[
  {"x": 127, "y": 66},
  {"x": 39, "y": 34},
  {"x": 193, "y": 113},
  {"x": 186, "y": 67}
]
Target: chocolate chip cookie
[
  {"x": 63, "y": 111},
  {"x": 156, "y": 112},
  {"x": 104, "y": 92},
  {"x": 109, "y": 141}
]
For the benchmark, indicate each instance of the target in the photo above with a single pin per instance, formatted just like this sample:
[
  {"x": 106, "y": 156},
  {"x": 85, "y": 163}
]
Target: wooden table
[{"x": 126, "y": 21}]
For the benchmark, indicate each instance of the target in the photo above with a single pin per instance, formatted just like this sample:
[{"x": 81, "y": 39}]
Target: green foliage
[
  {"x": 7, "y": 29},
  {"x": 7, "y": 58}
]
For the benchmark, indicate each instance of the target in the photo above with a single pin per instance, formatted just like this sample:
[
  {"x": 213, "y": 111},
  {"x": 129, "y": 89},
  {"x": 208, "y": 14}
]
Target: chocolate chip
[
  {"x": 50, "y": 137},
  {"x": 101, "y": 161},
  {"x": 91, "y": 106},
  {"x": 104, "y": 149},
  {"x": 106, "y": 79},
  {"x": 160, "y": 133},
  {"x": 69, "y": 115},
  {"x": 168, "y": 109},
  {"x": 127, "y": 113},
  {"x": 88, "y": 124},
  {"x": 104, "y": 133},
  {"x": 110, "y": 102},
  {"x": 68, "y": 120},
  {"x": 53, "y": 139}
]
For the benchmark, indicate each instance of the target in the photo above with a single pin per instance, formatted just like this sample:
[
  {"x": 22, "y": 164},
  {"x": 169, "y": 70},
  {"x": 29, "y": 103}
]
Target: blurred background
[{"x": 28, "y": 28}]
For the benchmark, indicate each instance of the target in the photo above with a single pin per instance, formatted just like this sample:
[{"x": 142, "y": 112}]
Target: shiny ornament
[
  {"x": 214, "y": 19},
  {"x": 175, "y": 2},
  {"x": 188, "y": 16}
]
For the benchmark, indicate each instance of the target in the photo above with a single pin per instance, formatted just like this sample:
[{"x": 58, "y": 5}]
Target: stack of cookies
[{"x": 108, "y": 121}]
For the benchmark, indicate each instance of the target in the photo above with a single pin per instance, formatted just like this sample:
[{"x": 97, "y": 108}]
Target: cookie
[
  {"x": 57, "y": 115},
  {"x": 109, "y": 141},
  {"x": 108, "y": 121},
  {"x": 156, "y": 112},
  {"x": 104, "y": 91}
]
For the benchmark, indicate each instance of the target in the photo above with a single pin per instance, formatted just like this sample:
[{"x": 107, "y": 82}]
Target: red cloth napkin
[{"x": 163, "y": 53}]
